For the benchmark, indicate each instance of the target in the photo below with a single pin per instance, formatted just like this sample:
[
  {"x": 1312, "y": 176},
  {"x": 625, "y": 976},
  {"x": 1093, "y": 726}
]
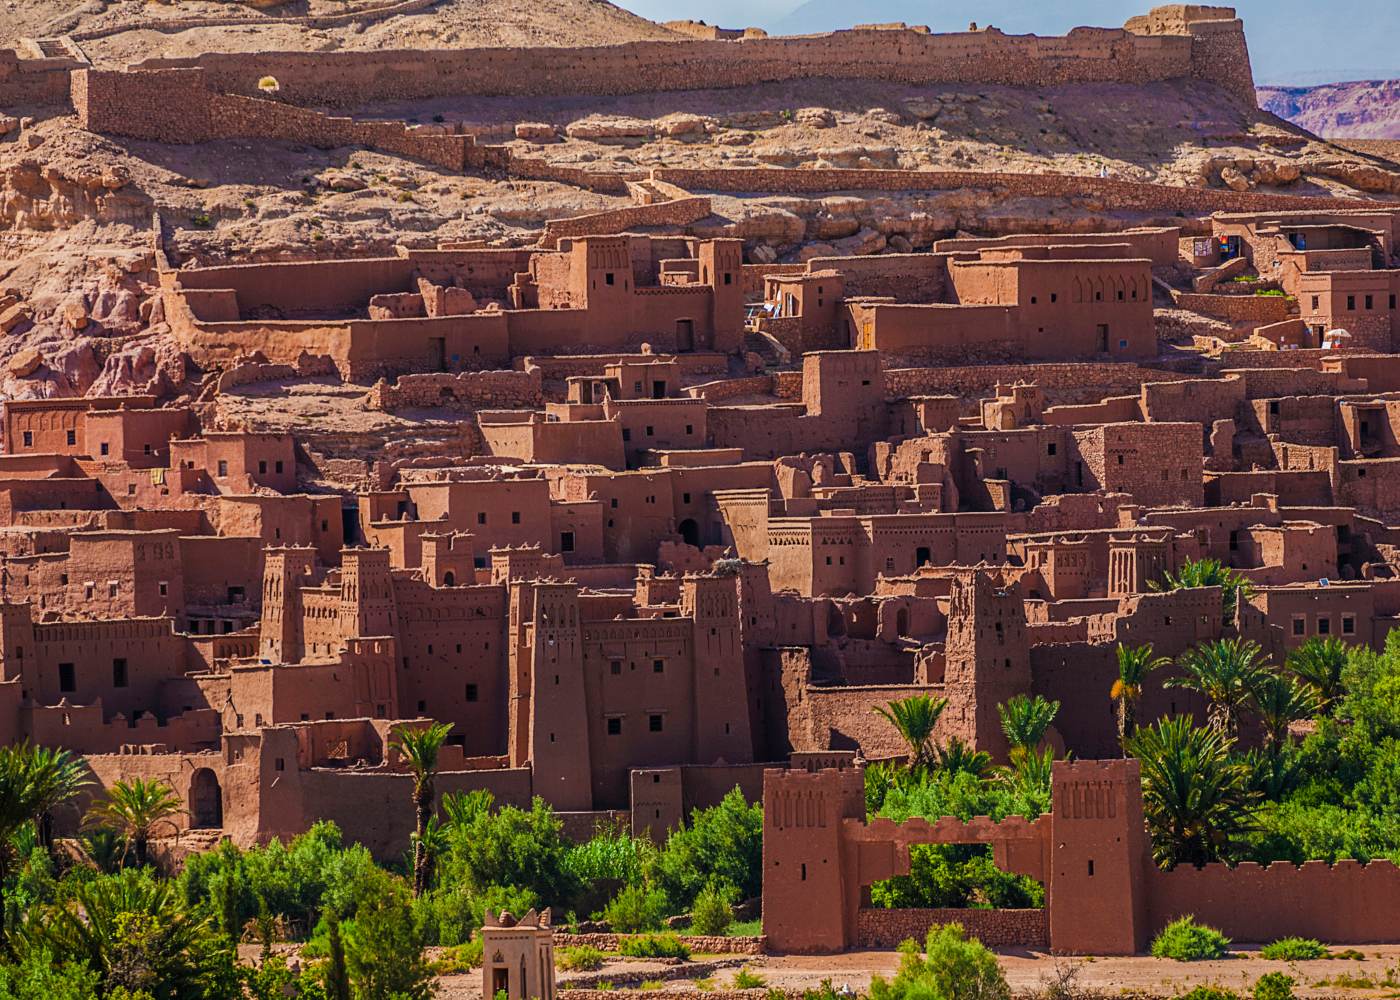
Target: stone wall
[
  {"x": 906, "y": 56},
  {"x": 698, "y": 944},
  {"x": 1262, "y": 309},
  {"x": 33, "y": 81},
  {"x": 176, "y": 106},
  {"x": 1068, "y": 382},
  {"x": 1109, "y": 193},
  {"x": 486, "y": 390},
  {"x": 877, "y": 928},
  {"x": 678, "y": 212}
]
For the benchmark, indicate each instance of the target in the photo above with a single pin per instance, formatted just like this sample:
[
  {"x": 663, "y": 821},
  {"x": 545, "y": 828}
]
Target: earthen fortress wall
[{"x": 347, "y": 79}]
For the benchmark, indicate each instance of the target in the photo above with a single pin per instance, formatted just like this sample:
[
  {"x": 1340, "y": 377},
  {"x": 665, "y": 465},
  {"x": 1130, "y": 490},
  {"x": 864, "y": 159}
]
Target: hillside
[
  {"x": 1367, "y": 109},
  {"x": 115, "y": 32}
]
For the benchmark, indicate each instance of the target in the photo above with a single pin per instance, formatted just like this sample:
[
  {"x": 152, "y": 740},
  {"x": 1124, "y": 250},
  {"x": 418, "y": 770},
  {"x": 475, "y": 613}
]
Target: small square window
[
  {"x": 608, "y": 278},
  {"x": 1300, "y": 626},
  {"x": 1351, "y": 302},
  {"x": 566, "y": 541},
  {"x": 277, "y": 468},
  {"x": 164, "y": 588},
  {"x": 262, "y": 467},
  {"x": 119, "y": 673},
  {"x": 654, "y": 723},
  {"x": 481, "y": 517},
  {"x": 1050, "y": 448},
  {"x": 223, "y": 468},
  {"x": 29, "y": 439},
  {"x": 67, "y": 678},
  {"x": 615, "y": 726},
  {"x": 515, "y": 517},
  {"x": 615, "y": 667},
  {"x": 658, "y": 666},
  {"x": 1348, "y": 625},
  {"x": 626, "y": 434},
  {"x": 72, "y": 437},
  {"x": 104, "y": 448},
  {"x": 472, "y": 692},
  {"x": 1324, "y": 625}
]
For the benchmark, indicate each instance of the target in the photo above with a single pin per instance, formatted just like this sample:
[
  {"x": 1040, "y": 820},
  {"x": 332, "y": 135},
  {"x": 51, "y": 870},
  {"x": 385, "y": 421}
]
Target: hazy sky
[{"x": 1291, "y": 41}]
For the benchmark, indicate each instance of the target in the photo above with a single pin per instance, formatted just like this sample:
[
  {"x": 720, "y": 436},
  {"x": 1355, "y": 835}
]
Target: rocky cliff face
[{"x": 1364, "y": 110}]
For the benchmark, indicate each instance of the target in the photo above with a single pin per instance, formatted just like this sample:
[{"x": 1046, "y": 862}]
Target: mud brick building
[{"x": 644, "y": 515}]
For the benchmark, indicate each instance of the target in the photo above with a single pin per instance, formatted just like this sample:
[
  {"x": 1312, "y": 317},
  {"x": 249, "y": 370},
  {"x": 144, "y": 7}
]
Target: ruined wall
[
  {"x": 349, "y": 78},
  {"x": 677, "y": 212},
  {"x": 33, "y": 81},
  {"x": 1112, "y": 193}
]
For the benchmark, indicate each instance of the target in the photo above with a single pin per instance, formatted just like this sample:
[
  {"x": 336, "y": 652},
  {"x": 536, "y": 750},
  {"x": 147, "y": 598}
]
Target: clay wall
[
  {"x": 350, "y": 78},
  {"x": 1345, "y": 903}
]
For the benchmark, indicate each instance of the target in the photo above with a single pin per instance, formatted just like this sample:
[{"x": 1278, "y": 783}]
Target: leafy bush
[
  {"x": 1210, "y": 993},
  {"x": 384, "y": 950},
  {"x": 457, "y": 960},
  {"x": 581, "y": 958},
  {"x": 636, "y": 908},
  {"x": 38, "y": 977},
  {"x": 953, "y": 967},
  {"x": 1187, "y": 941},
  {"x": 724, "y": 843},
  {"x": 747, "y": 979},
  {"x": 654, "y": 946},
  {"x": 1294, "y": 949},
  {"x": 505, "y": 847},
  {"x": 713, "y": 910},
  {"x": 1274, "y": 986}
]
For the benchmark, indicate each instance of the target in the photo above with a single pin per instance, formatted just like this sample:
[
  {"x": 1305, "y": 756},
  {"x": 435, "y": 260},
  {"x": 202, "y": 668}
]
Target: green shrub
[
  {"x": 747, "y": 979},
  {"x": 581, "y": 958},
  {"x": 1210, "y": 993},
  {"x": 1274, "y": 986},
  {"x": 460, "y": 959},
  {"x": 745, "y": 928},
  {"x": 654, "y": 946},
  {"x": 953, "y": 967},
  {"x": 636, "y": 908},
  {"x": 1294, "y": 949},
  {"x": 1187, "y": 941},
  {"x": 712, "y": 912}
]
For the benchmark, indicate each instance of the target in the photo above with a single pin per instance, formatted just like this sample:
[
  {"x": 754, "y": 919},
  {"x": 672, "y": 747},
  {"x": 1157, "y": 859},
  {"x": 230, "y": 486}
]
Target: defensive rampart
[
  {"x": 1104, "y": 894},
  {"x": 1161, "y": 47}
]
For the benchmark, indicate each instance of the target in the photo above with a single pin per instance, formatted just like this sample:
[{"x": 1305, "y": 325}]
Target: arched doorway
[
  {"x": 690, "y": 532},
  {"x": 206, "y": 801},
  {"x": 449, "y": 579}
]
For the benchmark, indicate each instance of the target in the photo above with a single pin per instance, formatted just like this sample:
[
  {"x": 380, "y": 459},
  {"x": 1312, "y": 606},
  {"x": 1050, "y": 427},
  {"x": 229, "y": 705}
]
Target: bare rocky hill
[
  {"x": 116, "y": 32},
  {"x": 1369, "y": 109}
]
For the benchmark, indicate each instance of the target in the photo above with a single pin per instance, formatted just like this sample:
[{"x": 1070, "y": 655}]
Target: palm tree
[
  {"x": 56, "y": 777},
  {"x": 959, "y": 756},
  {"x": 1025, "y": 720},
  {"x": 1195, "y": 797},
  {"x": 1134, "y": 664},
  {"x": 1208, "y": 573},
  {"x": 1280, "y": 702},
  {"x": 136, "y": 934},
  {"x": 419, "y": 748},
  {"x": 1319, "y": 663},
  {"x": 136, "y": 809},
  {"x": 916, "y": 717},
  {"x": 1224, "y": 671},
  {"x": 33, "y": 781}
]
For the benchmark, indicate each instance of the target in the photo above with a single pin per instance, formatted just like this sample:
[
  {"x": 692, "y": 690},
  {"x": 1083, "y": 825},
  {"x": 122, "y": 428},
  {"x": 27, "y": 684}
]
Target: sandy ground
[{"x": 1376, "y": 976}]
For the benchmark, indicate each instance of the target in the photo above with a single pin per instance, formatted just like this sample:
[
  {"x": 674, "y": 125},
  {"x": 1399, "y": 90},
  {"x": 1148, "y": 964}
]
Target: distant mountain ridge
[{"x": 1367, "y": 109}]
